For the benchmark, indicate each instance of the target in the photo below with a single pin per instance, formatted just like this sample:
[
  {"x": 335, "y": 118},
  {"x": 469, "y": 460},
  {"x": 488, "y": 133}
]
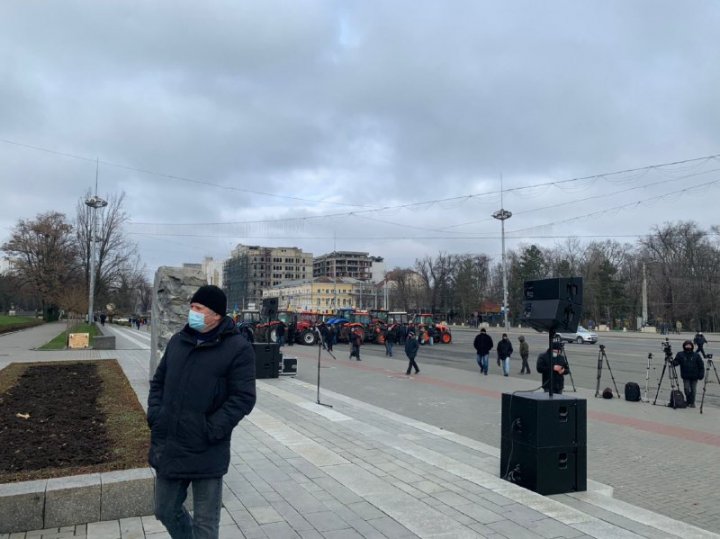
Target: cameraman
[
  {"x": 558, "y": 363},
  {"x": 692, "y": 369}
]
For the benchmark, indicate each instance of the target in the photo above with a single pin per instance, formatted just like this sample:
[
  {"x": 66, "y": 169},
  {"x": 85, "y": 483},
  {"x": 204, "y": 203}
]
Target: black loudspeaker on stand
[
  {"x": 544, "y": 442},
  {"x": 267, "y": 360}
]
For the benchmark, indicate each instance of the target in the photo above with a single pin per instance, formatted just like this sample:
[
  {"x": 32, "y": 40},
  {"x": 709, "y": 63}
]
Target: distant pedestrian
[
  {"x": 700, "y": 341},
  {"x": 280, "y": 333},
  {"x": 483, "y": 343},
  {"x": 692, "y": 369},
  {"x": 401, "y": 333},
  {"x": 524, "y": 353},
  {"x": 411, "y": 349},
  {"x": 389, "y": 340},
  {"x": 504, "y": 351},
  {"x": 103, "y": 316},
  {"x": 356, "y": 340},
  {"x": 291, "y": 332},
  {"x": 331, "y": 338},
  {"x": 555, "y": 361}
]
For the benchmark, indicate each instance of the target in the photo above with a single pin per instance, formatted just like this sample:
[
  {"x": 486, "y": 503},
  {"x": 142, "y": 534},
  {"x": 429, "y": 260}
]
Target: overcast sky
[{"x": 379, "y": 126}]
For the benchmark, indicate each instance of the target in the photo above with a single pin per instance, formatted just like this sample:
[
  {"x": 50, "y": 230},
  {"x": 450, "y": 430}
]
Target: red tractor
[{"x": 304, "y": 321}]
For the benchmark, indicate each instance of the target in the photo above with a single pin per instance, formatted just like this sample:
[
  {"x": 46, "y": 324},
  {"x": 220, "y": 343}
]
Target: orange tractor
[{"x": 425, "y": 328}]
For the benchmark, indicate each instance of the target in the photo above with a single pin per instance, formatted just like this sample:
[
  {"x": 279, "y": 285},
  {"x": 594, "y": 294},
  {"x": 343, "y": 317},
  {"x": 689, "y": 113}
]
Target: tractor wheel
[
  {"x": 446, "y": 338},
  {"x": 308, "y": 337},
  {"x": 273, "y": 335}
]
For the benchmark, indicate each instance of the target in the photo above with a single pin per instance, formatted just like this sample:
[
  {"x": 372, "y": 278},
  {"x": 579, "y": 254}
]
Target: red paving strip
[{"x": 640, "y": 424}]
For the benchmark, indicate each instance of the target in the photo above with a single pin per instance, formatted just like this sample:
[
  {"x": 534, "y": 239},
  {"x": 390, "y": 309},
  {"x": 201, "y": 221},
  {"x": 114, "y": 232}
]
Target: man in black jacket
[
  {"x": 411, "y": 349},
  {"x": 204, "y": 385},
  {"x": 692, "y": 369},
  {"x": 504, "y": 351},
  {"x": 559, "y": 365},
  {"x": 483, "y": 343}
]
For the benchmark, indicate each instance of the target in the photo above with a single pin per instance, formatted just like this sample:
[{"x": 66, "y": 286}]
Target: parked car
[{"x": 581, "y": 336}]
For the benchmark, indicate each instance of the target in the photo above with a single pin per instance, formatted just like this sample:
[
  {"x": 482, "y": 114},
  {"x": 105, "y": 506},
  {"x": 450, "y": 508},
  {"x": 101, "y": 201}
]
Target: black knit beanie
[{"x": 212, "y": 297}]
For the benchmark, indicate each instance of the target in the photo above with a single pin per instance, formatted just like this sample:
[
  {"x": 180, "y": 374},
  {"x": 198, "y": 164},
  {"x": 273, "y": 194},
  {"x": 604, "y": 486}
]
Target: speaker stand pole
[
  {"x": 647, "y": 378},
  {"x": 320, "y": 346},
  {"x": 551, "y": 336}
]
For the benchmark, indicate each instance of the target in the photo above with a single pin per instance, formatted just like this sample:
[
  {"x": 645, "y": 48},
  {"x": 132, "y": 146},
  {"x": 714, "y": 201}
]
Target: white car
[{"x": 581, "y": 336}]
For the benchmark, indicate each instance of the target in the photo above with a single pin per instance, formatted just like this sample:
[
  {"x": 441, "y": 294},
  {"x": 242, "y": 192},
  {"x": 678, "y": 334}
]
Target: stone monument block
[{"x": 172, "y": 291}]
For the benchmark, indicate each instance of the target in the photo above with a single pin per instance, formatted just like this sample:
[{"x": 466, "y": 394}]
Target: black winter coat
[
  {"x": 691, "y": 365},
  {"x": 198, "y": 395},
  {"x": 411, "y": 348},
  {"x": 483, "y": 343},
  {"x": 504, "y": 348},
  {"x": 544, "y": 365}
]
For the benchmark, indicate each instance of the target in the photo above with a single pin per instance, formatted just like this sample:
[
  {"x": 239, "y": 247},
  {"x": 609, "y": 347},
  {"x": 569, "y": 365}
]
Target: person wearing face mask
[
  {"x": 692, "y": 369},
  {"x": 203, "y": 386},
  {"x": 556, "y": 362}
]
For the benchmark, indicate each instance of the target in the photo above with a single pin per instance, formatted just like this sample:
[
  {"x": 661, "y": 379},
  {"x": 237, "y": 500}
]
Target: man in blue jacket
[{"x": 204, "y": 385}]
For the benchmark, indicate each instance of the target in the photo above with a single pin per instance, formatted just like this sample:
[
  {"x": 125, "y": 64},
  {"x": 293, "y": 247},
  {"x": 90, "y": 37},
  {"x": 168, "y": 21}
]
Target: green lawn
[
  {"x": 12, "y": 320},
  {"x": 60, "y": 342}
]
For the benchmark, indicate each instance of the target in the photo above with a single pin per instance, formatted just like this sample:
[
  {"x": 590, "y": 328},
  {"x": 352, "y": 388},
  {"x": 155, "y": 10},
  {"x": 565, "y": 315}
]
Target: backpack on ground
[
  {"x": 607, "y": 393},
  {"x": 632, "y": 392},
  {"x": 677, "y": 399}
]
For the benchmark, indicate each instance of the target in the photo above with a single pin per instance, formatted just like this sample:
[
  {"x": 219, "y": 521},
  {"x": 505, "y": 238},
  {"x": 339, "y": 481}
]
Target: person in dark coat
[
  {"x": 389, "y": 333},
  {"x": 411, "y": 349},
  {"x": 504, "y": 351},
  {"x": 524, "y": 354},
  {"x": 291, "y": 333},
  {"x": 699, "y": 340},
  {"x": 559, "y": 365},
  {"x": 483, "y": 343},
  {"x": 356, "y": 340},
  {"x": 203, "y": 386},
  {"x": 692, "y": 369},
  {"x": 280, "y": 333},
  {"x": 331, "y": 338},
  {"x": 401, "y": 333}
]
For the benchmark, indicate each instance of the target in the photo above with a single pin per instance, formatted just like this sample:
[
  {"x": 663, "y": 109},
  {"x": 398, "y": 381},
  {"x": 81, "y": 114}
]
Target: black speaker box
[
  {"x": 289, "y": 366},
  {"x": 267, "y": 360},
  {"x": 545, "y": 470},
  {"x": 569, "y": 289},
  {"x": 544, "y": 442},
  {"x": 553, "y": 304},
  {"x": 535, "y": 419},
  {"x": 269, "y": 308}
]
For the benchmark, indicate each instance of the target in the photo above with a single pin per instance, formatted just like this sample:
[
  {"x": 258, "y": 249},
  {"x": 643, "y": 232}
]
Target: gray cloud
[{"x": 359, "y": 104}]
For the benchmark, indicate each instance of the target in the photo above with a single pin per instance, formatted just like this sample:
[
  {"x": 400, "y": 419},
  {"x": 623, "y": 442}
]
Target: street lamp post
[
  {"x": 502, "y": 215},
  {"x": 94, "y": 203}
]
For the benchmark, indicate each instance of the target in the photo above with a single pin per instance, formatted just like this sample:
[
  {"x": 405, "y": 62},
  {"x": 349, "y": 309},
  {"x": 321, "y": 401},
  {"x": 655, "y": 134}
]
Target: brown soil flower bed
[{"x": 68, "y": 418}]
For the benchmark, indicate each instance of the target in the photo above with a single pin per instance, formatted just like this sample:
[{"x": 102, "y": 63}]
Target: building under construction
[
  {"x": 353, "y": 264},
  {"x": 252, "y": 268}
]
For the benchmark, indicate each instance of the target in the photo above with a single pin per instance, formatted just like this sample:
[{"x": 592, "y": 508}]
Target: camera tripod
[
  {"x": 603, "y": 356},
  {"x": 562, "y": 353},
  {"x": 672, "y": 375},
  {"x": 710, "y": 364}
]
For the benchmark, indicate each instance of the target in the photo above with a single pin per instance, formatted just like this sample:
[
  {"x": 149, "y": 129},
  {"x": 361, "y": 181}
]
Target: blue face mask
[{"x": 196, "y": 320}]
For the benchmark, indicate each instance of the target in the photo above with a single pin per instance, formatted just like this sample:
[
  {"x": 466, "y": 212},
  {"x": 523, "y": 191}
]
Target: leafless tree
[{"x": 117, "y": 260}]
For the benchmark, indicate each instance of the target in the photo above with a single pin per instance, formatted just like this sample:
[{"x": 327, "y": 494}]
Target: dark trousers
[
  {"x": 412, "y": 365},
  {"x": 690, "y": 386},
  {"x": 207, "y": 502},
  {"x": 525, "y": 367}
]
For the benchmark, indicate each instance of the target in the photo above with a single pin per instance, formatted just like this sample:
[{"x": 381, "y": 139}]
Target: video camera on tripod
[{"x": 666, "y": 347}]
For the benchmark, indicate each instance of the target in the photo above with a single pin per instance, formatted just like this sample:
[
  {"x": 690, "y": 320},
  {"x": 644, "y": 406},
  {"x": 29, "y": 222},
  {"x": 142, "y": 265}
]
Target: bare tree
[
  {"x": 43, "y": 255},
  {"x": 437, "y": 277},
  {"x": 117, "y": 262}
]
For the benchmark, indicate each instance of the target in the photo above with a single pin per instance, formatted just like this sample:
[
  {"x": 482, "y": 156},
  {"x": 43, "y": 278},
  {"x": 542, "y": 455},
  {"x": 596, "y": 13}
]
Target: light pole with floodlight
[
  {"x": 502, "y": 215},
  {"x": 94, "y": 203}
]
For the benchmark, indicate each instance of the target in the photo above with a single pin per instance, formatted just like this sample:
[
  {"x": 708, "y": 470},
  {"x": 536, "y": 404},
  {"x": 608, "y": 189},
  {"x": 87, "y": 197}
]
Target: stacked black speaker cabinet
[
  {"x": 553, "y": 304},
  {"x": 267, "y": 360},
  {"x": 544, "y": 442}
]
